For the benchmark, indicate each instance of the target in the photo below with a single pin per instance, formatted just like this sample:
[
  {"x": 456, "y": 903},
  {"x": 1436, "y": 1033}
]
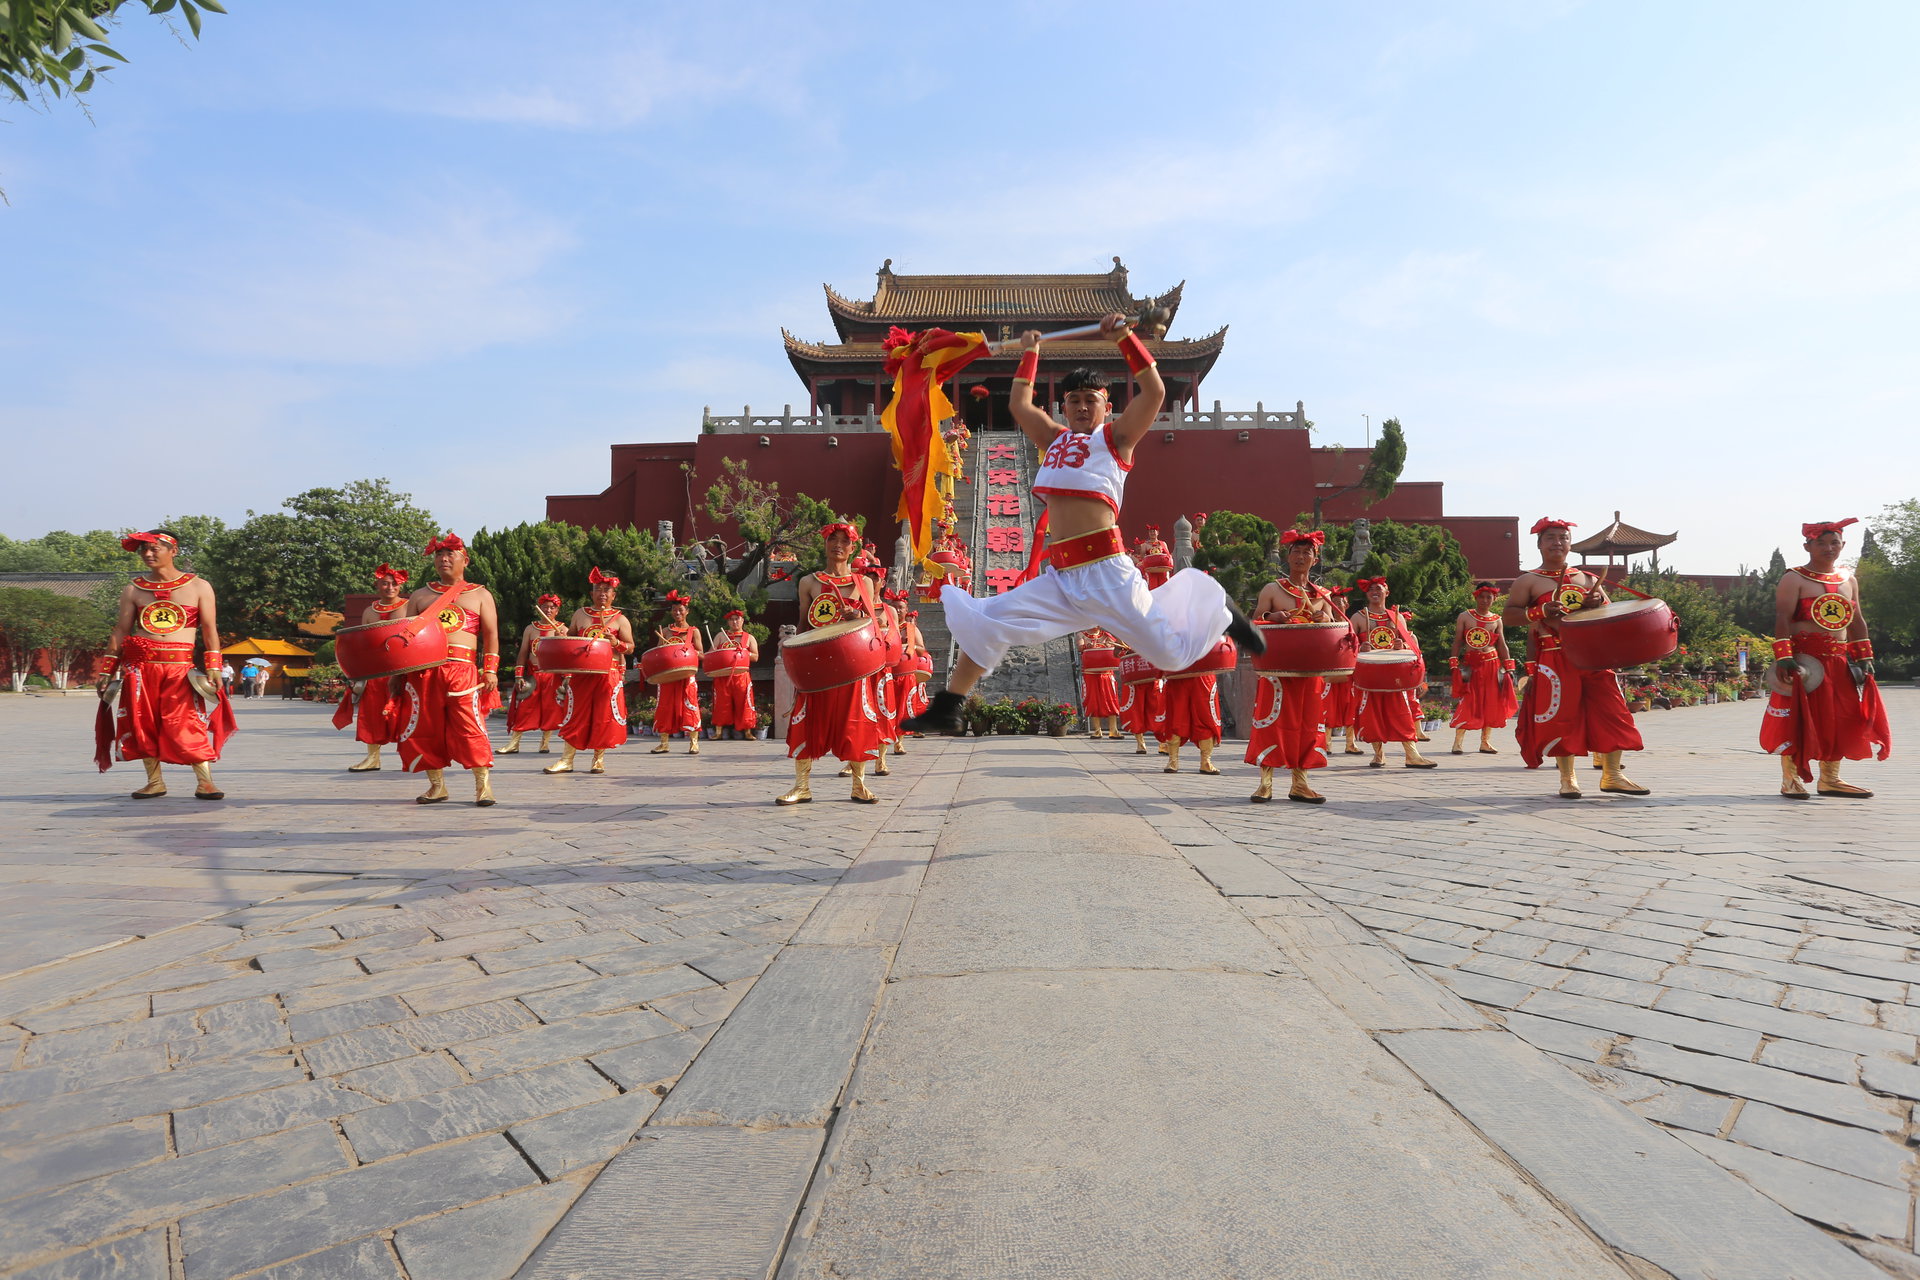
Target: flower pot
[{"x": 1057, "y": 731}]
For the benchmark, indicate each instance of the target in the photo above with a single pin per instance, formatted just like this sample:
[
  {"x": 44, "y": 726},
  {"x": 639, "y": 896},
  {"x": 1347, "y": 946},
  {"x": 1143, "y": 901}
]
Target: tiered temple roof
[{"x": 1622, "y": 539}]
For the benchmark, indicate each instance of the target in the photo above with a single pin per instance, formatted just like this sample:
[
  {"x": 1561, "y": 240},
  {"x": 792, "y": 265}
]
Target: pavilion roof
[
  {"x": 978, "y": 300},
  {"x": 267, "y": 648},
  {"x": 1173, "y": 352},
  {"x": 78, "y": 585},
  {"x": 1622, "y": 539}
]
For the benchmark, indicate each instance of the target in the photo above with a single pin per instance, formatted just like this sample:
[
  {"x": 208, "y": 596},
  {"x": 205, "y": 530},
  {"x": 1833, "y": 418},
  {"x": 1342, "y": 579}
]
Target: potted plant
[
  {"x": 978, "y": 717},
  {"x": 1055, "y": 717}
]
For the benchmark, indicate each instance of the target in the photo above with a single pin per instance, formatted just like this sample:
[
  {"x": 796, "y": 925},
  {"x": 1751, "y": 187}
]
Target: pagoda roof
[
  {"x": 975, "y": 300},
  {"x": 809, "y": 356},
  {"x": 1621, "y": 538}
]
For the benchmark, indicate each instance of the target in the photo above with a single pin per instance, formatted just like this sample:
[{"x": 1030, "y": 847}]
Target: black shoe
[
  {"x": 1245, "y": 636},
  {"x": 941, "y": 716}
]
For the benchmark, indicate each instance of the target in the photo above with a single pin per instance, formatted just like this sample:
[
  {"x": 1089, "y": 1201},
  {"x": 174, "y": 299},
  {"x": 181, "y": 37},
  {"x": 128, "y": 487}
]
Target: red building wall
[{"x": 1272, "y": 474}]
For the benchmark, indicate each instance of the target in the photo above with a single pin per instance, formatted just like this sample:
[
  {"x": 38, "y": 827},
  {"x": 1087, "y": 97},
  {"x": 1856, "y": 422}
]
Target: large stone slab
[
  {"x": 684, "y": 1204},
  {"x": 1640, "y": 1189},
  {"x": 1150, "y": 1124},
  {"x": 782, "y": 1056}
]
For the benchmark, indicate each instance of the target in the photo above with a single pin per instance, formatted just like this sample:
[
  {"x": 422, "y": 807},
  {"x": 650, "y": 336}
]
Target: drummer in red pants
[
  {"x": 1099, "y": 690},
  {"x": 538, "y": 696},
  {"x": 368, "y": 707},
  {"x": 733, "y": 709},
  {"x": 888, "y": 620},
  {"x": 842, "y": 721},
  {"x": 1824, "y": 657},
  {"x": 594, "y": 713},
  {"x": 1192, "y": 714},
  {"x": 1482, "y": 672},
  {"x": 445, "y": 708},
  {"x": 676, "y": 707},
  {"x": 1567, "y": 711},
  {"x": 1285, "y": 733},
  {"x": 1392, "y": 716},
  {"x": 900, "y": 683},
  {"x": 916, "y": 689}
]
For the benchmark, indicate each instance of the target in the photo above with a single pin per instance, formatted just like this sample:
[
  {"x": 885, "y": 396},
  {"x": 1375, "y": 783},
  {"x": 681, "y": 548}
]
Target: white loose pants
[{"x": 1171, "y": 627}]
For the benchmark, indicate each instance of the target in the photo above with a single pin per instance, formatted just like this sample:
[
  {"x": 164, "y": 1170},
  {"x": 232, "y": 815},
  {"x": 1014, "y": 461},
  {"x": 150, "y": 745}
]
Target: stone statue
[
  {"x": 1362, "y": 543},
  {"x": 1182, "y": 541},
  {"x": 663, "y": 533}
]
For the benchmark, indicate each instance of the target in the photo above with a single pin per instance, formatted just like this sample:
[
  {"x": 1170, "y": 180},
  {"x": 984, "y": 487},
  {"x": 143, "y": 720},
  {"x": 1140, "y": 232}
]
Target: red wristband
[
  {"x": 1860, "y": 649},
  {"x": 211, "y": 661},
  {"x": 1783, "y": 648},
  {"x": 1453, "y": 664},
  {"x": 490, "y": 662},
  {"x": 109, "y": 664},
  {"x": 1537, "y": 614},
  {"x": 1138, "y": 358},
  {"x": 1029, "y": 367},
  {"x": 519, "y": 673}
]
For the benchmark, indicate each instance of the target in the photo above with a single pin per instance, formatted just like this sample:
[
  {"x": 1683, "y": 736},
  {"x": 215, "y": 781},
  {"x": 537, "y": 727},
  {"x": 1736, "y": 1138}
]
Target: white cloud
[{"x": 330, "y": 288}]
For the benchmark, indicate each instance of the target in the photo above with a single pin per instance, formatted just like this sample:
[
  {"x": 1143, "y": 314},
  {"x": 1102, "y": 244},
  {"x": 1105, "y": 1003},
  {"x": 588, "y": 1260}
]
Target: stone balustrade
[{"x": 787, "y": 422}]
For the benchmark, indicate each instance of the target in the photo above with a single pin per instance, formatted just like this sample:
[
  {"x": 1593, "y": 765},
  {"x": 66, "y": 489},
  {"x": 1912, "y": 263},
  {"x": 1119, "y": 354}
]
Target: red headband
[
  {"x": 912, "y": 613},
  {"x": 1317, "y": 537},
  {"x": 1197, "y": 519},
  {"x": 1548, "y": 522},
  {"x": 840, "y": 526},
  {"x": 451, "y": 542},
  {"x": 1486, "y": 588},
  {"x": 597, "y": 578},
  {"x": 549, "y": 598},
  {"x": 134, "y": 541},
  {"x": 1153, "y": 528},
  {"x": 388, "y": 571},
  {"x": 733, "y": 613},
  {"x": 1368, "y": 584},
  {"x": 674, "y": 597},
  {"x": 1812, "y": 531},
  {"x": 893, "y": 595}
]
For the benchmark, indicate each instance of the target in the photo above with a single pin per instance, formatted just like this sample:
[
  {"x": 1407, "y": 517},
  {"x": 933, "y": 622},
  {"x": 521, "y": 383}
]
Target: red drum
[
  {"x": 1135, "y": 669},
  {"x": 665, "y": 663},
  {"x": 573, "y": 656},
  {"x": 723, "y": 662},
  {"x": 896, "y": 650},
  {"x": 1219, "y": 658},
  {"x": 1389, "y": 671},
  {"x": 1098, "y": 660},
  {"x": 949, "y": 562},
  {"x": 1308, "y": 649},
  {"x": 920, "y": 667},
  {"x": 1156, "y": 564},
  {"x": 390, "y": 648},
  {"x": 1625, "y": 633},
  {"x": 828, "y": 657}
]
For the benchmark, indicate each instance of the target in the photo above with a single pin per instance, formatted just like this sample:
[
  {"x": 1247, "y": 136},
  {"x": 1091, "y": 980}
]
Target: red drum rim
[
  {"x": 820, "y": 635},
  {"x": 1282, "y": 625},
  {"x": 1611, "y": 610},
  {"x": 1338, "y": 673}
]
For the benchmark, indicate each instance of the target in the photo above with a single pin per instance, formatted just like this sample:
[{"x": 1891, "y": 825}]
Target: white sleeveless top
[{"x": 1084, "y": 466}]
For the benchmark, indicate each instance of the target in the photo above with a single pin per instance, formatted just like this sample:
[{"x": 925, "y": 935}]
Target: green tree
[
  {"x": 1707, "y": 626},
  {"x": 57, "y": 47},
  {"x": 277, "y": 568},
  {"x": 1381, "y": 473},
  {"x": 63, "y": 552},
  {"x": 524, "y": 562},
  {"x": 767, "y": 519},
  {"x": 197, "y": 535},
  {"x": 1236, "y": 548},
  {"x": 66, "y": 628},
  {"x": 1890, "y": 589}
]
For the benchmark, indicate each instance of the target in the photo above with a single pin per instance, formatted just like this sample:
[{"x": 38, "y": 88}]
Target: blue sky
[{"x": 1637, "y": 255}]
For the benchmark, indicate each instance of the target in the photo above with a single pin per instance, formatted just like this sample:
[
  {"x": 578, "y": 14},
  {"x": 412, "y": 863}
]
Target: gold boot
[
  {"x": 1414, "y": 760},
  {"x": 1598, "y": 758},
  {"x": 203, "y": 786},
  {"x": 546, "y": 735},
  {"x": 801, "y": 793},
  {"x": 846, "y": 770},
  {"x": 1352, "y": 734},
  {"x": 155, "y": 788},
  {"x": 1379, "y": 760},
  {"x": 1790, "y": 780},
  {"x": 1206, "y": 754},
  {"x": 371, "y": 764},
  {"x": 436, "y": 788},
  {"x": 1615, "y": 782},
  {"x": 693, "y": 743},
  {"x": 900, "y": 745},
  {"x": 1264, "y": 792},
  {"x": 513, "y": 745},
  {"x": 564, "y": 764},
  {"x": 599, "y": 761},
  {"x": 664, "y": 747},
  {"x": 1459, "y": 736},
  {"x": 1486, "y": 743},
  {"x": 483, "y": 787},
  {"x": 1301, "y": 792},
  {"x": 1139, "y": 744},
  {"x": 1172, "y": 748},
  {"x": 860, "y": 793},
  {"x": 1830, "y": 784},
  {"x": 1569, "y": 782}
]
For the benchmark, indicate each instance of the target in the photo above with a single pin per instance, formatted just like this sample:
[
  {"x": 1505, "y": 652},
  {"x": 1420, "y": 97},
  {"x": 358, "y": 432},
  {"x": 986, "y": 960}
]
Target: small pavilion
[{"x": 1624, "y": 541}]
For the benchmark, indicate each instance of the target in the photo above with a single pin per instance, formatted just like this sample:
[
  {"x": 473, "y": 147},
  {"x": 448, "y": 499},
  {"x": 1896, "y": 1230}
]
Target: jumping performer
[
  {"x": 368, "y": 706},
  {"x": 1090, "y": 580},
  {"x": 163, "y": 715},
  {"x": 1838, "y": 716},
  {"x": 594, "y": 707},
  {"x": 538, "y": 696},
  {"x": 1567, "y": 712},
  {"x": 1482, "y": 672},
  {"x": 1286, "y": 733}
]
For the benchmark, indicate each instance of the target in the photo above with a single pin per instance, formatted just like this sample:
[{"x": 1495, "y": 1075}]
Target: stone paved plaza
[{"x": 1045, "y": 1011}]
